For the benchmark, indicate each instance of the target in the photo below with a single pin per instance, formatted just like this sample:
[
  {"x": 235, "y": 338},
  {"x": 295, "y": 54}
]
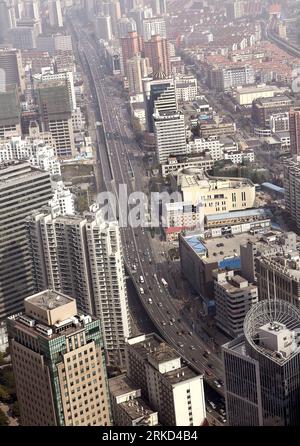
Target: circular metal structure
[{"x": 269, "y": 311}]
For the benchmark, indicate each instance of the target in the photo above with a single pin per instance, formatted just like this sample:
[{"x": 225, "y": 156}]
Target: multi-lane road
[{"x": 120, "y": 158}]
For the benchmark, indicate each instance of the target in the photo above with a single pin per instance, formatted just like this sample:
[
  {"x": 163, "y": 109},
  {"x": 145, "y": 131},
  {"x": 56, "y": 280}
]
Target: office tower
[
  {"x": 137, "y": 15},
  {"x": 128, "y": 407},
  {"x": 157, "y": 51},
  {"x": 295, "y": 130},
  {"x": 82, "y": 256},
  {"x": 10, "y": 124},
  {"x": 11, "y": 63},
  {"x": 291, "y": 183},
  {"x": 172, "y": 388},
  {"x": 223, "y": 79},
  {"x": 262, "y": 367},
  {"x": 31, "y": 9},
  {"x": 153, "y": 89},
  {"x": 131, "y": 46},
  {"x": 104, "y": 28},
  {"x": 23, "y": 188},
  {"x": 264, "y": 108},
  {"x": 55, "y": 111},
  {"x": 170, "y": 135},
  {"x": 154, "y": 26},
  {"x": 58, "y": 363},
  {"x": 66, "y": 76},
  {"x": 234, "y": 297},
  {"x": 137, "y": 69},
  {"x": 55, "y": 14},
  {"x": 125, "y": 26}
]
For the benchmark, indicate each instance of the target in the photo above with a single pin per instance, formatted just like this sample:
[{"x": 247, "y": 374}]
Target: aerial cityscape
[{"x": 150, "y": 214}]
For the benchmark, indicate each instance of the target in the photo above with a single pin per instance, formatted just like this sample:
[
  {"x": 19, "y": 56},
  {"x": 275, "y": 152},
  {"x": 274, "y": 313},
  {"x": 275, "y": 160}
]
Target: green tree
[
  {"x": 4, "y": 421},
  {"x": 4, "y": 395}
]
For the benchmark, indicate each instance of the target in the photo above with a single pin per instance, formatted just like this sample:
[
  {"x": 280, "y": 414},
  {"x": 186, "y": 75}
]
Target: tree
[
  {"x": 4, "y": 421},
  {"x": 2, "y": 360},
  {"x": 4, "y": 395},
  {"x": 16, "y": 409}
]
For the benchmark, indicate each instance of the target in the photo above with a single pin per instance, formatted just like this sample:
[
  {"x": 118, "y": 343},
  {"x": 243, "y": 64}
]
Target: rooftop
[
  {"x": 49, "y": 299},
  {"x": 136, "y": 408},
  {"x": 260, "y": 212},
  {"x": 121, "y": 385}
]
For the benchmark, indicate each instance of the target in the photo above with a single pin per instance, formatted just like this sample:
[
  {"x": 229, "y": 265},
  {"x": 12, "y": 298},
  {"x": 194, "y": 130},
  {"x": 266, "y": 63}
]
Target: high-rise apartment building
[
  {"x": 56, "y": 115},
  {"x": 82, "y": 256},
  {"x": 137, "y": 69},
  {"x": 170, "y": 135},
  {"x": 23, "y": 189},
  {"x": 172, "y": 387},
  {"x": 55, "y": 14},
  {"x": 157, "y": 51},
  {"x": 295, "y": 130},
  {"x": 103, "y": 27},
  {"x": 291, "y": 173},
  {"x": 125, "y": 25},
  {"x": 131, "y": 46},
  {"x": 11, "y": 63},
  {"x": 262, "y": 367},
  {"x": 58, "y": 363},
  {"x": 154, "y": 26},
  {"x": 113, "y": 9},
  {"x": 66, "y": 76}
]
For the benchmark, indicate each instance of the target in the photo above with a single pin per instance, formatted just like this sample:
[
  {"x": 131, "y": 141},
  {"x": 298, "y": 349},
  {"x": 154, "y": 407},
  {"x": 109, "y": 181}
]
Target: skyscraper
[
  {"x": 295, "y": 130},
  {"x": 291, "y": 174},
  {"x": 131, "y": 45},
  {"x": 23, "y": 188},
  {"x": 55, "y": 109},
  {"x": 10, "y": 121},
  {"x": 11, "y": 63},
  {"x": 154, "y": 26},
  {"x": 137, "y": 69},
  {"x": 82, "y": 257},
  {"x": 103, "y": 27},
  {"x": 262, "y": 367},
  {"x": 157, "y": 51},
  {"x": 55, "y": 14},
  {"x": 58, "y": 363},
  {"x": 170, "y": 135}
]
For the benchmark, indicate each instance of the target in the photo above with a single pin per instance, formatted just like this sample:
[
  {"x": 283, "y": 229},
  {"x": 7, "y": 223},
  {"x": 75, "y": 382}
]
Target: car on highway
[
  {"x": 210, "y": 365},
  {"x": 180, "y": 344},
  {"x": 206, "y": 353},
  {"x": 212, "y": 405},
  {"x": 160, "y": 304},
  {"x": 216, "y": 383},
  {"x": 170, "y": 323},
  {"x": 150, "y": 300},
  {"x": 190, "y": 333},
  {"x": 222, "y": 419},
  {"x": 221, "y": 382},
  {"x": 164, "y": 323},
  {"x": 192, "y": 347},
  {"x": 208, "y": 409},
  {"x": 142, "y": 290}
]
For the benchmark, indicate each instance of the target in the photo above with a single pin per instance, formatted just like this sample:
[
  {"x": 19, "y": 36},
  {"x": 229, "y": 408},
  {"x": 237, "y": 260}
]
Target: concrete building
[
  {"x": 264, "y": 108},
  {"x": 262, "y": 378},
  {"x": 125, "y": 25},
  {"x": 82, "y": 256},
  {"x": 11, "y": 63},
  {"x": 23, "y": 188},
  {"x": 36, "y": 152},
  {"x": 181, "y": 216},
  {"x": 66, "y": 76},
  {"x": 234, "y": 297},
  {"x": 128, "y": 408},
  {"x": 246, "y": 95},
  {"x": 157, "y": 51},
  {"x": 186, "y": 88},
  {"x": 223, "y": 79},
  {"x": 294, "y": 116},
  {"x": 56, "y": 115},
  {"x": 137, "y": 69},
  {"x": 176, "y": 163},
  {"x": 103, "y": 27},
  {"x": 58, "y": 363},
  {"x": 10, "y": 123},
  {"x": 170, "y": 134},
  {"x": 291, "y": 173},
  {"x": 172, "y": 388},
  {"x": 55, "y": 14},
  {"x": 131, "y": 46},
  {"x": 154, "y": 26},
  {"x": 217, "y": 194}
]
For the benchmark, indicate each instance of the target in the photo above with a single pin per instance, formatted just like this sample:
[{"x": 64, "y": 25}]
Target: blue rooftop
[
  {"x": 240, "y": 214},
  {"x": 232, "y": 263},
  {"x": 196, "y": 244}
]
